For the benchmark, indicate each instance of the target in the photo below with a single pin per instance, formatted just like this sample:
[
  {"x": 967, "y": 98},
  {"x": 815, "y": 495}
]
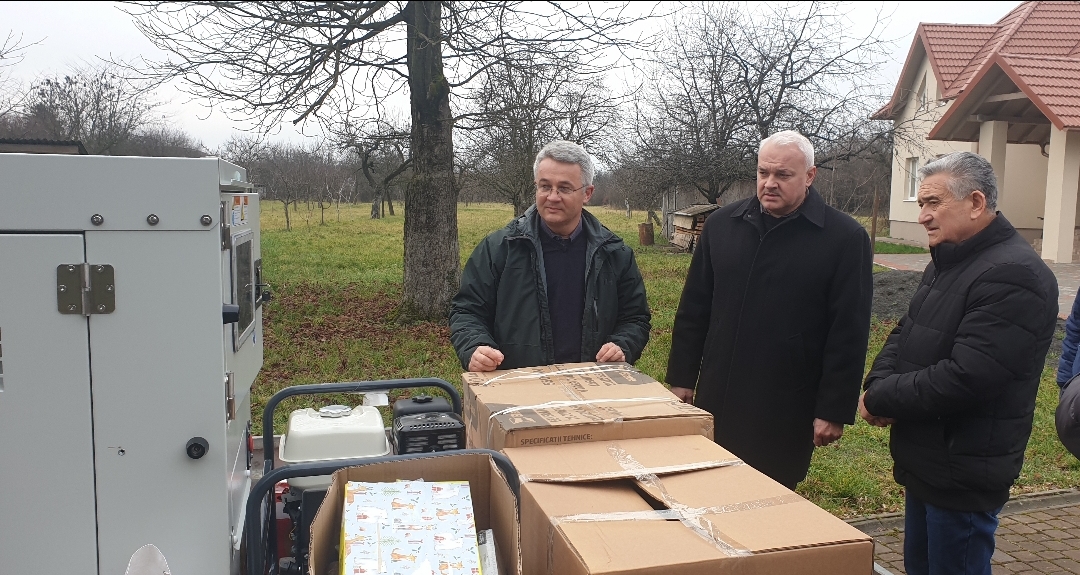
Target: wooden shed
[{"x": 688, "y": 223}]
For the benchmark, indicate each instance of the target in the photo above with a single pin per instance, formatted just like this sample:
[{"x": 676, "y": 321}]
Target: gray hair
[
  {"x": 569, "y": 153},
  {"x": 792, "y": 138},
  {"x": 967, "y": 172}
]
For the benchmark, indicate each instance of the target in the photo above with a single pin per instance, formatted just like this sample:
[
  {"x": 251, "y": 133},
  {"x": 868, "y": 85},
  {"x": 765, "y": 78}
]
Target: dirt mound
[{"x": 893, "y": 291}]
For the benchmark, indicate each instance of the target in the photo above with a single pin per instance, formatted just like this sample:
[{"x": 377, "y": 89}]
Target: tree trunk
[
  {"x": 432, "y": 262},
  {"x": 389, "y": 201},
  {"x": 519, "y": 208},
  {"x": 873, "y": 224},
  {"x": 288, "y": 224},
  {"x": 376, "y": 206}
]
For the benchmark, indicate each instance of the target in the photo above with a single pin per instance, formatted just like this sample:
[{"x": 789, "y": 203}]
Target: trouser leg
[
  {"x": 960, "y": 542},
  {"x": 916, "y": 560}
]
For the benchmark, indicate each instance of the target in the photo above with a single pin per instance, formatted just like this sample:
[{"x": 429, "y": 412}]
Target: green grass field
[
  {"x": 890, "y": 248},
  {"x": 336, "y": 287}
]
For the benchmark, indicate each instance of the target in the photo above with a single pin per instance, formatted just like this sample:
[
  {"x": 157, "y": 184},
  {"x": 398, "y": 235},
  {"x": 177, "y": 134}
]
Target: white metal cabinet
[
  {"x": 47, "y": 519},
  {"x": 97, "y": 409},
  {"x": 158, "y": 381}
]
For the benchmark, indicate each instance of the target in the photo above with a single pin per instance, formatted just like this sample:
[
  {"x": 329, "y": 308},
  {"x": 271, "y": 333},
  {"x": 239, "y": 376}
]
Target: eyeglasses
[{"x": 546, "y": 189}]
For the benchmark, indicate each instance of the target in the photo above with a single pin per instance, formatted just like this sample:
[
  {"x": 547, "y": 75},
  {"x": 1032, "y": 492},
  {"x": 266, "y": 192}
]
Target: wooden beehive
[{"x": 688, "y": 223}]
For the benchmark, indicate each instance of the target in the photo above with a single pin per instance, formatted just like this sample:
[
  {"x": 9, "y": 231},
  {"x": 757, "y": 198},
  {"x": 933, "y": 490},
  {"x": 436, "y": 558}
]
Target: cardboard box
[
  {"x": 573, "y": 403},
  {"x": 494, "y": 504},
  {"x": 673, "y": 505}
]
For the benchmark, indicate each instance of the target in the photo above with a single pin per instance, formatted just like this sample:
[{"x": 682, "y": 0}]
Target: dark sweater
[{"x": 564, "y": 268}]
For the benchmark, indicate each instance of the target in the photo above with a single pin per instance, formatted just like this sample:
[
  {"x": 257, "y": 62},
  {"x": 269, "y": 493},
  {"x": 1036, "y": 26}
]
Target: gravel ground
[{"x": 893, "y": 290}]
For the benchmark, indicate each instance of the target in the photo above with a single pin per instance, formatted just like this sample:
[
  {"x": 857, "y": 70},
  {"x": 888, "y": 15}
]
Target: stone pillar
[
  {"x": 992, "y": 143},
  {"x": 1062, "y": 184}
]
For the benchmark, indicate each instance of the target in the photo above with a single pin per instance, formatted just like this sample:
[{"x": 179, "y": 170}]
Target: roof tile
[
  {"x": 1054, "y": 81},
  {"x": 1039, "y": 41}
]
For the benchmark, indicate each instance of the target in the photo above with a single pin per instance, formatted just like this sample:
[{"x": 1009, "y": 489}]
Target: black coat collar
[
  {"x": 947, "y": 254},
  {"x": 813, "y": 208}
]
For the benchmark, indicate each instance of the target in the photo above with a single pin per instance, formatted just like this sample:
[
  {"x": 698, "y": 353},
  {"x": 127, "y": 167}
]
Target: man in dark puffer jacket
[{"x": 958, "y": 376}]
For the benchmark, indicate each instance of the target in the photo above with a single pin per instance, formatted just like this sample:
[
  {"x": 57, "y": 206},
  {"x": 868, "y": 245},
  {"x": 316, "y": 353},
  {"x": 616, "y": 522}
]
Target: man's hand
[
  {"x": 826, "y": 432},
  {"x": 684, "y": 393},
  {"x": 610, "y": 352},
  {"x": 485, "y": 358},
  {"x": 873, "y": 419}
]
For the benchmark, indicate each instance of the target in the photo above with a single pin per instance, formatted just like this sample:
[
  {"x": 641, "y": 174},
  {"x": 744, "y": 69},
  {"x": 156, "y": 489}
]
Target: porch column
[
  {"x": 1062, "y": 183},
  {"x": 992, "y": 144}
]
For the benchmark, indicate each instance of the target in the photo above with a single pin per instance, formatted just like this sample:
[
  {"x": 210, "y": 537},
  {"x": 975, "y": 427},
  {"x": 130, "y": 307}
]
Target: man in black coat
[
  {"x": 958, "y": 376},
  {"x": 770, "y": 335}
]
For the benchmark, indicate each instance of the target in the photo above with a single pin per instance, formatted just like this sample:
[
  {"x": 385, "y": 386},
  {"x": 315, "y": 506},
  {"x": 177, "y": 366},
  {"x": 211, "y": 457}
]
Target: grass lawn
[
  {"x": 891, "y": 248},
  {"x": 336, "y": 286}
]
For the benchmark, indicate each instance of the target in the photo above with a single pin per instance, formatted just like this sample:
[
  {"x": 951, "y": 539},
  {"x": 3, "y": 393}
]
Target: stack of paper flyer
[{"x": 408, "y": 528}]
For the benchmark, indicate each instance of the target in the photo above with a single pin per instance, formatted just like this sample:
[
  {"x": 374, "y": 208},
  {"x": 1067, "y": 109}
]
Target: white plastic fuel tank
[{"x": 331, "y": 432}]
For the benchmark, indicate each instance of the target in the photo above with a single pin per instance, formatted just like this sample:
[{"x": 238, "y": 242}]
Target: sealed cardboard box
[
  {"x": 493, "y": 505},
  {"x": 672, "y": 505},
  {"x": 573, "y": 403}
]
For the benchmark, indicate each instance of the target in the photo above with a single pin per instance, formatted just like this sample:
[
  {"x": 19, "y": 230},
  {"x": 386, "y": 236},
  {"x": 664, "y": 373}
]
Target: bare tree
[
  {"x": 161, "y": 141},
  {"x": 518, "y": 108},
  {"x": 278, "y": 59},
  {"x": 382, "y": 149},
  {"x": 12, "y": 50},
  {"x": 728, "y": 77},
  {"x": 92, "y": 104}
]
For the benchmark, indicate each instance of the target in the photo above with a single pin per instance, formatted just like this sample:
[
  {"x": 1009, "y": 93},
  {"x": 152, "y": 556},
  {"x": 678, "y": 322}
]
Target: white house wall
[
  {"x": 1024, "y": 193},
  {"x": 904, "y": 212},
  {"x": 1024, "y": 196}
]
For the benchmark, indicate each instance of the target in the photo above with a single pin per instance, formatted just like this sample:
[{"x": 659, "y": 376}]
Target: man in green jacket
[{"x": 554, "y": 285}]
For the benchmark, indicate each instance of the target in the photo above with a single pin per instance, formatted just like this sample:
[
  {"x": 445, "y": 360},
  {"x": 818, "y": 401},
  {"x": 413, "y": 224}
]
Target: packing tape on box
[
  {"x": 583, "y": 402},
  {"x": 692, "y": 517},
  {"x": 636, "y": 473},
  {"x": 532, "y": 374},
  {"x": 590, "y": 403}
]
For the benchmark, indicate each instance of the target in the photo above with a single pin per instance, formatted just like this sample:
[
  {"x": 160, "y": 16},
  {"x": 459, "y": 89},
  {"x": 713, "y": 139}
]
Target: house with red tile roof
[{"x": 1009, "y": 91}]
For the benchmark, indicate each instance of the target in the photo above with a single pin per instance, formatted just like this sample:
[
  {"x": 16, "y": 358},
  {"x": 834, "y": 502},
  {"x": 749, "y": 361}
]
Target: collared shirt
[{"x": 573, "y": 235}]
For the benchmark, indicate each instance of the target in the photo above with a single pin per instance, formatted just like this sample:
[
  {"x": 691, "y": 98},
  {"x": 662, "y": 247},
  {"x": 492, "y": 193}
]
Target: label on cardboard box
[{"x": 573, "y": 403}]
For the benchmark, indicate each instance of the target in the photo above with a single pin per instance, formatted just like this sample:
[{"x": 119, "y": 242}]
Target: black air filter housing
[
  {"x": 433, "y": 431},
  {"x": 420, "y": 404}
]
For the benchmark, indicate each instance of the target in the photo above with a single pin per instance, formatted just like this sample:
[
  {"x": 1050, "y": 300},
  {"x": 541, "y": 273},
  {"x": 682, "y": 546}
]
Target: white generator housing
[{"x": 114, "y": 357}]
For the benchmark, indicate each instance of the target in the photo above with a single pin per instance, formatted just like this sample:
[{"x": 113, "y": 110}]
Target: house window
[{"x": 912, "y": 177}]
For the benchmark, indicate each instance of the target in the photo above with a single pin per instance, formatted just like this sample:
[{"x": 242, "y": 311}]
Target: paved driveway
[
  {"x": 1039, "y": 534},
  {"x": 1068, "y": 275}
]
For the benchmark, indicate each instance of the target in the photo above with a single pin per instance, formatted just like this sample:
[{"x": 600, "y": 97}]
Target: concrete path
[
  {"x": 1068, "y": 275},
  {"x": 1038, "y": 534}
]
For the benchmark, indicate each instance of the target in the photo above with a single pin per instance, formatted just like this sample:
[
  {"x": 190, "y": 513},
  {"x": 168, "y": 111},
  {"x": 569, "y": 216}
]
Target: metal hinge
[
  {"x": 85, "y": 289},
  {"x": 230, "y": 396},
  {"x": 226, "y": 233}
]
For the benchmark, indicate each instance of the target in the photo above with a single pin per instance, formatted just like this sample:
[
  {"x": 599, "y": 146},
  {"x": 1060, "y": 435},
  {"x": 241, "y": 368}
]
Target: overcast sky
[{"x": 70, "y": 32}]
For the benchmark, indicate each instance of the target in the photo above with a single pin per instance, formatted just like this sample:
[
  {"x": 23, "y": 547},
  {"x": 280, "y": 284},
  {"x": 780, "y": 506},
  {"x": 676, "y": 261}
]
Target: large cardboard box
[
  {"x": 494, "y": 504},
  {"x": 573, "y": 403},
  {"x": 672, "y": 505}
]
